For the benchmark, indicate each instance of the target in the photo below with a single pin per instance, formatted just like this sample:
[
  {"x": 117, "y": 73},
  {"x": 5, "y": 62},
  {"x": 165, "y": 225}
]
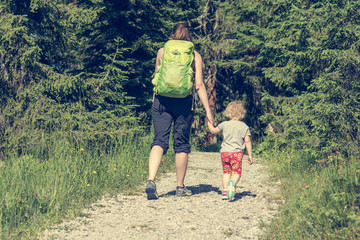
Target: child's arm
[
  {"x": 249, "y": 149},
  {"x": 213, "y": 130}
]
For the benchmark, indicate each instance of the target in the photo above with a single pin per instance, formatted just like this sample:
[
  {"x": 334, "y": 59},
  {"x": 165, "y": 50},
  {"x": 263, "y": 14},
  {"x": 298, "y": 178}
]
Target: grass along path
[{"x": 201, "y": 216}]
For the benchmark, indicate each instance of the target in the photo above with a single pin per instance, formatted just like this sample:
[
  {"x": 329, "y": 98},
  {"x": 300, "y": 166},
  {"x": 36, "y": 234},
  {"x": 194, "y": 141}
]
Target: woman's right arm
[{"x": 200, "y": 87}]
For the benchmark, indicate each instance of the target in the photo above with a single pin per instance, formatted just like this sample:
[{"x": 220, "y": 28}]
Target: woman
[{"x": 166, "y": 110}]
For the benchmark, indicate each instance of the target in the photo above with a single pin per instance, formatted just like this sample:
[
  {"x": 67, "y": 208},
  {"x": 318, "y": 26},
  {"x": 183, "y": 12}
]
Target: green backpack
[{"x": 175, "y": 76}]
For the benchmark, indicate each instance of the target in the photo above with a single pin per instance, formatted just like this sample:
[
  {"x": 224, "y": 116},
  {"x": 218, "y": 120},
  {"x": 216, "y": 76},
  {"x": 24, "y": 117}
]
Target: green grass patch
[
  {"x": 322, "y": 197},
  {"x": 37, "y": 191}
]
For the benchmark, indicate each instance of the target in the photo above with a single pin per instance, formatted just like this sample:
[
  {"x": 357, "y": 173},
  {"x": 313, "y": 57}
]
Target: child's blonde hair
[{"x": 235, "y": 110}]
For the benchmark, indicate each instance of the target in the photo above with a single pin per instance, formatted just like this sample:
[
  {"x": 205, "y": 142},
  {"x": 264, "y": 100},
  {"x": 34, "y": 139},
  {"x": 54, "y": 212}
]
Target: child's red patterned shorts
[{"x": 231, "y": 162}]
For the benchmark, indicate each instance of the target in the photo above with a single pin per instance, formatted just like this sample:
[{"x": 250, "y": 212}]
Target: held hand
[
  {"x": 209, "y": 117},
  {"x": 250, "y": 160},
  {"x": 207, "y": 122}
]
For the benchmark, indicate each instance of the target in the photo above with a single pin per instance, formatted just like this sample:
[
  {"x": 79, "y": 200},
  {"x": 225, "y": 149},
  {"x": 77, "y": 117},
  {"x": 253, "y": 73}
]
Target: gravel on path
[{"x": 201, "y": 216}]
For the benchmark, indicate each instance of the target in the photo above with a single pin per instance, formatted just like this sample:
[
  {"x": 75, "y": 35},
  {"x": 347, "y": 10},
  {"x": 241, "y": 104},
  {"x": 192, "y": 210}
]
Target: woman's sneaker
[
  {"x": 182, "y": 192},
  {"x": 224, "y": 195},
  {"x": 150, "y": 190},
  {"x": 231, "y": 190}
]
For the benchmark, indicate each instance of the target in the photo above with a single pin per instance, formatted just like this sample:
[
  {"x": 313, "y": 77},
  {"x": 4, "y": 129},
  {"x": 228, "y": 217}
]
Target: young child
[{"x": 236, "y": 137}]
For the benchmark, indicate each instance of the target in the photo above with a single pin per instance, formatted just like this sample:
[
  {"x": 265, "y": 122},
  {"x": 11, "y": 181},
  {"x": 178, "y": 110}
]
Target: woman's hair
[
  {"x": 235, "y": 110},
  {"x": 181, "y": 32}
]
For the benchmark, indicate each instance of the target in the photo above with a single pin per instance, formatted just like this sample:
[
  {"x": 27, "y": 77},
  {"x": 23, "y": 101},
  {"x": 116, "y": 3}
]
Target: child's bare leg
[
  {"x": 235, "y": 177},
  {"x": 226, "y": 178}
]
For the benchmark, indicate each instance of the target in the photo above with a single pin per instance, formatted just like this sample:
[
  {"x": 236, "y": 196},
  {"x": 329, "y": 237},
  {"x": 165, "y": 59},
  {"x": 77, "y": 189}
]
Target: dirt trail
[{"x": 201, "y": 216}]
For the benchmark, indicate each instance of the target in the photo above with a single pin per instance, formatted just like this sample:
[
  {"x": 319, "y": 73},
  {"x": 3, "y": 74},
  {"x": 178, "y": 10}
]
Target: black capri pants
[{"x": 165, "y": 111}]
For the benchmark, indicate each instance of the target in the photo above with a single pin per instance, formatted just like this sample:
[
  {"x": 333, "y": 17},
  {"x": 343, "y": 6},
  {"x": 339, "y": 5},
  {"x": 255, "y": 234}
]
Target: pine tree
[
  {"x": 50, "y": 87},
  {"x": 291, "y": 63}
]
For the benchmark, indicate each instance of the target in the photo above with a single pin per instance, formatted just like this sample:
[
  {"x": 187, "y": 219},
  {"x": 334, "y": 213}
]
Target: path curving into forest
[{"x": 201, "y": 216}]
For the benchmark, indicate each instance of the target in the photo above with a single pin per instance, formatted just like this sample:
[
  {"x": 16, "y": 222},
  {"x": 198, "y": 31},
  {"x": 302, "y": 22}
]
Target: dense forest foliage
[
  {"x": 77, "y": 68},
  {"x": 81, "y": 69}
]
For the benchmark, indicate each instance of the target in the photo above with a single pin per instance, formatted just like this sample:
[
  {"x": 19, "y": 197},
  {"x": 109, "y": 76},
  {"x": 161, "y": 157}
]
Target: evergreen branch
[{"x": 108, "y": 71}]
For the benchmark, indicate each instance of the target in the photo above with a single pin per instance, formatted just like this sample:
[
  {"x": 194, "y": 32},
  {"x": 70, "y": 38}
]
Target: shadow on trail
[
  {"x": 205, "y": 188},
  {"x": 239, "y": 196},
  {"x": 202, "y": 188}
]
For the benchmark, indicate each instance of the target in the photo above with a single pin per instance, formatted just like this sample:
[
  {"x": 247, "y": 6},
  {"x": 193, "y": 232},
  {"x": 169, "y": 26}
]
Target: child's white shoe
[{"x": 231, "y": 189}]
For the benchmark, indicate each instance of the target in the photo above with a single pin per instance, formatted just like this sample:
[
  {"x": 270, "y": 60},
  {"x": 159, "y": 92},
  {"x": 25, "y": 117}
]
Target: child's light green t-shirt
[{"x": 234, "y": 133}]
